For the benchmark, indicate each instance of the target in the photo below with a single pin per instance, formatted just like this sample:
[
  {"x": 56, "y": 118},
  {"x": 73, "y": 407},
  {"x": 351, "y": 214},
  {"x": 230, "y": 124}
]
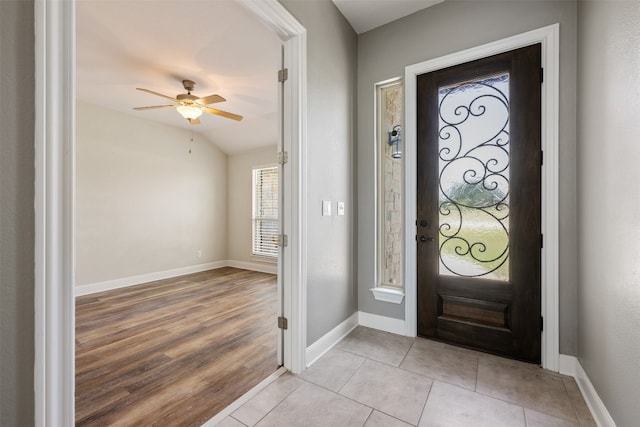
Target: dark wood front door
[{"x": 478, "y": 204}]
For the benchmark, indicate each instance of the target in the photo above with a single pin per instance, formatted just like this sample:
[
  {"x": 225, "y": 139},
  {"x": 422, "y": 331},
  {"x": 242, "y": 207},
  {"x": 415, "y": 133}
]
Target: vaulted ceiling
[
  {"x": 224, "y": 48},
  {"x": 218, "y": 44}
]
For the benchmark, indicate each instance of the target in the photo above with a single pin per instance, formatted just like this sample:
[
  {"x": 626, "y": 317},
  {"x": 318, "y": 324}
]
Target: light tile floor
[{"x": 377, "y": 379}]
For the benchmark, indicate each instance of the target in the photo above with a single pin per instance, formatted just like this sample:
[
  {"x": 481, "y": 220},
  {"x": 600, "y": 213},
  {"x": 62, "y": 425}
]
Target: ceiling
[
  {"x": 122, "y": 45},
  {"x": 365, "y": 15}
]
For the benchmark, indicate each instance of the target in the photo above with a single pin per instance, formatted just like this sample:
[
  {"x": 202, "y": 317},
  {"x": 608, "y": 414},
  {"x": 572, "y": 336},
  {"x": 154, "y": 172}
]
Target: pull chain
[{"x": 191, "y": 141}]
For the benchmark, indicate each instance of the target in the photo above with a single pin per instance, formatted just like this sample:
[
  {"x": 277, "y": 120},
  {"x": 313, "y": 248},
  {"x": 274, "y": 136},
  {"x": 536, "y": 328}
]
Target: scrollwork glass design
[{"x": 473, "y": 149}]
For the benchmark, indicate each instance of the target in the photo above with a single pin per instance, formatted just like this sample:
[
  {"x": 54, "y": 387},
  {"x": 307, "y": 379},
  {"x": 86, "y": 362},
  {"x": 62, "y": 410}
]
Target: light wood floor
[{"x": 173, "y": 352}]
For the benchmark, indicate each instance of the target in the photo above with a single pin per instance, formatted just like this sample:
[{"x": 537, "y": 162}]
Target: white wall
[
  {"x": 143, "y": 203},
  {"x": 330, "y": 169},
  {"x": 16, "y": 213},
  {"x": 609, "y": 203},
  {"x": 239, "y": 177},
  {"x": 446, "y": 28}
]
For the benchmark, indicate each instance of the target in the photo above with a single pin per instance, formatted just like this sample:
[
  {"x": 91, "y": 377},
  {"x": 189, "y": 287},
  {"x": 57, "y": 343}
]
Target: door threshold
[{"x": 244, "y": 398}]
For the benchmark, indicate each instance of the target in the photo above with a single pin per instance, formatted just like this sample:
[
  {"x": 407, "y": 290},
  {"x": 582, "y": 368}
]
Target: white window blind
[{"x": 265, "y": 211}]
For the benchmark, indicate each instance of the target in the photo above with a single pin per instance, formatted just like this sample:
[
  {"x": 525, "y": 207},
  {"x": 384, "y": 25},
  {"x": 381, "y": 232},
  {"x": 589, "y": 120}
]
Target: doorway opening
[
  {"x": 549, "y": 39},
  {"x": 157, "y": 196},
  {"x": 55, "y": 146}
]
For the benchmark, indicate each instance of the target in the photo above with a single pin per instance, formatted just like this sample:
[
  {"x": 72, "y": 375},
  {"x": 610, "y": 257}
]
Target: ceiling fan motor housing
[
  {"x": 189, "y": 85},
  {"x": 187, "y": 98}
]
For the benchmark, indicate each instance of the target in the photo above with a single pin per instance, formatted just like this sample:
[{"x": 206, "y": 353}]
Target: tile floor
[{"x": 377, "y": 379}]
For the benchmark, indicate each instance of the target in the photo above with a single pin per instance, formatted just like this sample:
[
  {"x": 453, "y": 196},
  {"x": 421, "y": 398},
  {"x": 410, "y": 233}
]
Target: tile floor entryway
[{"x": 377, "y": 379}]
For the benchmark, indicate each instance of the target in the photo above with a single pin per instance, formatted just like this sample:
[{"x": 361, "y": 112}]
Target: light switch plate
[
  {"x": 326, "y": 208},
  {"x": 340, "y": 210}
]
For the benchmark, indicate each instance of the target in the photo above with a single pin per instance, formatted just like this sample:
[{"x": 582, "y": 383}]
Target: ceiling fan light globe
[{"x": 189, "y": 112}]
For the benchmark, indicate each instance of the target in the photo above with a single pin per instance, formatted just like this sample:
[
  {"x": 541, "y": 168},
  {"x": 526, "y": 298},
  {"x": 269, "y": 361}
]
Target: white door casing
[{"x": 549, "y": 38}]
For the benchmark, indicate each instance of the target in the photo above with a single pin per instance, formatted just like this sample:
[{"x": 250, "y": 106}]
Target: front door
[{"x": 479, "y": 204}]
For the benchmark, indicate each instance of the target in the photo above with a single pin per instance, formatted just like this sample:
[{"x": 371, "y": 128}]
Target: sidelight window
[{"x": 390, "y": 173}]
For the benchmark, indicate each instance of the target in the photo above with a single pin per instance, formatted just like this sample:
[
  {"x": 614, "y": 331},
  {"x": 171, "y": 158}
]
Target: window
[
  {"x": 389, "y": 194},
  {"x": 265, "y": 212}
]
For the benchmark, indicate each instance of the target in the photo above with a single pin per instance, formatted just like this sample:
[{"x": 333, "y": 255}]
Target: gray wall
[
  {"x": 447, "y": 28},
  {"x": 609, "y": 203},
  {"x": 16, "y": 213},
  {"x": 330, "y": 169}
]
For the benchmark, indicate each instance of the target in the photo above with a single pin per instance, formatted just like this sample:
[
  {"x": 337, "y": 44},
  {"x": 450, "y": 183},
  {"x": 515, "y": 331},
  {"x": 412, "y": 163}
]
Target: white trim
[
  {"x": 54, "y": 375},
  {"x": 243, "y": 399},
  {"x": 382, "y": 323},
  {"x": 570, "y": 365},
  {"x": 108, "y": 285},
  {"x": 262, "y": 268},
  {"x": 325, "y": 343},
  {"x": 549, "y": 37},
  {"x": 392, "y": 295},
  {"x": 567, "y": 365},
  {"x": 293, "y": 269},
  {"x": 123, "y": 282},
  {"x": 379, "y": 176}
]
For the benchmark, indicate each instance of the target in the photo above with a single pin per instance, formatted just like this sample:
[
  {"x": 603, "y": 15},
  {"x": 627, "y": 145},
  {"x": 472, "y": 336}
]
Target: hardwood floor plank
[{"x": 176, "y": 351}]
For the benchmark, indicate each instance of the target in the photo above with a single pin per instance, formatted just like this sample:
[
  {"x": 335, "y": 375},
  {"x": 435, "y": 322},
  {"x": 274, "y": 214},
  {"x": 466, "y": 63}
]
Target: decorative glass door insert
[{"x": 473, "y": 150}]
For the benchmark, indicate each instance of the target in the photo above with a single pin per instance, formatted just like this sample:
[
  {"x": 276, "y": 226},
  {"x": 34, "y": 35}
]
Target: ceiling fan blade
[
  {"x": 151, "y": 107},
  {"x": 158, "y": 94},
  {"x": 222, "y": 113},
  {"x": 211, "y": 99},
  {"x": 195, "y": 121}
]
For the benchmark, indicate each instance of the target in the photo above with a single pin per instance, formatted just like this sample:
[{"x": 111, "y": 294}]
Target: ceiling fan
[{"x": 191, "y": 106}]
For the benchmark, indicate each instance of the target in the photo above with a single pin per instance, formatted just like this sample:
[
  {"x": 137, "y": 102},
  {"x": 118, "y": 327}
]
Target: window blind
[{"x": 265, "y": 212}]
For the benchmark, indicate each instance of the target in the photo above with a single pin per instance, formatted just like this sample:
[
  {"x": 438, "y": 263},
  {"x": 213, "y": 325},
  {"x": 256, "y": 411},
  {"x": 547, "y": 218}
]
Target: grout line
[
  {"x": 407, "y": 353},
  {"x": 244, "y": 398},
  {"x": 575, "y": 410},
  {"x": 279, "y": 403},
  {"x": 424, "y": 405},
  {"x": 368, "y": 416},
  {"x": 364, "y": 359},
  {"x": 231, "y": 416}
]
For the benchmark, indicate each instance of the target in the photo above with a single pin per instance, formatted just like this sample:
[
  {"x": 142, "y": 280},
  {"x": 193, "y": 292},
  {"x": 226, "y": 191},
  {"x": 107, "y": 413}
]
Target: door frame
[
  {"x": 54, "y": 317},
  {"x": 549, "y": 38}
]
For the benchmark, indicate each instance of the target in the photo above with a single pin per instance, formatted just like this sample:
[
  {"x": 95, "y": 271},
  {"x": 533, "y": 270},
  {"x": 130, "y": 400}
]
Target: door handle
[{"x": 426, "y": 239}]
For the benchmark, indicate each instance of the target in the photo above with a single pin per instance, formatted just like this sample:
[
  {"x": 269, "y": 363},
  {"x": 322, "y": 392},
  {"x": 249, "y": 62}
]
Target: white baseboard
[
  {"x": 570, "y": 365},
  {"x": 382, "y": 323},
  {"x": 567, "y": 365},
  {"x": 263, "y": 268},
  {"x": 145, "y": 278},
  {"x": 331, "y": 338},
  {"x": 108, "y": 285}
]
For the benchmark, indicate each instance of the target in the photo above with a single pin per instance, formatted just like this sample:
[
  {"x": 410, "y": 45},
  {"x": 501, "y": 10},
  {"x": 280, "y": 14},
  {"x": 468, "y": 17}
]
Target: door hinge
[
  {"x": 541, "y": 240},
  {"x": 283, "y": 75},
  {"x": 541, "y": 324},
  {"x": 283, "y": 240},
  {"x": 283, "y": 323},
  {"x": 541, "y": 158},
  {"x": 283, "y": 157},
  {"x": 541, "y": 75}
]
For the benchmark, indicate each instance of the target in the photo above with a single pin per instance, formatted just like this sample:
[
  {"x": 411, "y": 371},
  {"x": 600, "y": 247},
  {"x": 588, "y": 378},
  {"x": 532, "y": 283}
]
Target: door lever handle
[{"x": 426, "y": 239}]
